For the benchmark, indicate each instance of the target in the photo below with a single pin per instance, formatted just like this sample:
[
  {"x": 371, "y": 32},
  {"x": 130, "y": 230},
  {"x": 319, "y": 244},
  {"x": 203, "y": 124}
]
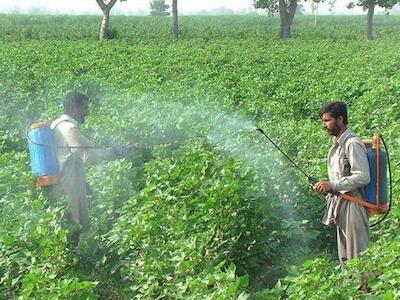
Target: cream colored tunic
[
  {"x": 73, "y": 151},
  {"x": 69, "y": 139},
  {"x": 348, "y": 172}
]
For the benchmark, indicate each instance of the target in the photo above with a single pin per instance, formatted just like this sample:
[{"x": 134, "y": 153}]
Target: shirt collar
[
  {"x": 342, "y": 138},
  {"x": 70, "y": 119}
]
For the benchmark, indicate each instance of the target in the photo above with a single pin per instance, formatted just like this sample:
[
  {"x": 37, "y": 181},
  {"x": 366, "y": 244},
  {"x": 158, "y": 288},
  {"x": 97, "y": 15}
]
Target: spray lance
[
  {"x": 311, "y": 180},
  {"x": 376, "y": 190}
]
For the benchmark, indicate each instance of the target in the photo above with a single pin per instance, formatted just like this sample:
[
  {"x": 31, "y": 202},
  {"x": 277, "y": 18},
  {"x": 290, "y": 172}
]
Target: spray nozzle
[{"x": 260, "y": 130}]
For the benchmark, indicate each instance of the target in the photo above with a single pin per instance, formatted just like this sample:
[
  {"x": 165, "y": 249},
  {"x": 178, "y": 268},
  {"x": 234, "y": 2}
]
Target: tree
[
  {"x": 314, "y": 11},
  {"x": 331, "y": 4},
  {"x": 105, "y": 8},
  {"x": 300, "y": 10},
  {"x": 175, "y": 29},
  {"x": 369, "y": 6},
  {"x": 286, "y": 9},
  {"x": 314, "y": 8},
  {"x": 158, "y": 8}
]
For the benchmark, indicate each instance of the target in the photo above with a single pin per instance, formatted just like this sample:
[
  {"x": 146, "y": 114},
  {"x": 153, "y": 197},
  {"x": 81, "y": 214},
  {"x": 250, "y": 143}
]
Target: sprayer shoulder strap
[
  {"x": 59, "y": 122},
  {"x": 352, "y": 138},
  {"x": 346, "y": 196}
]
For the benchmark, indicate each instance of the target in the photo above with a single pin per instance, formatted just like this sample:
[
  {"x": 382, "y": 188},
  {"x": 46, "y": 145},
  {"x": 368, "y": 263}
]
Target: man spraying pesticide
[
  {"x": 348, "y": 172},
  {"x": 59, "y": 153},
  {"x": 357, "y": 184}
]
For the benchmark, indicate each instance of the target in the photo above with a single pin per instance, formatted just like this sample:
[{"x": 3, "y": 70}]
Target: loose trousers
[
  {"x": 352, "y": 224},
  {"x": 73, "y": 187}
]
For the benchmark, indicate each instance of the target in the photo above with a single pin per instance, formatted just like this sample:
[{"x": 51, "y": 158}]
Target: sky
[
  {"x": 130, "y": 5},
  {"x": 142, "y": 6}
]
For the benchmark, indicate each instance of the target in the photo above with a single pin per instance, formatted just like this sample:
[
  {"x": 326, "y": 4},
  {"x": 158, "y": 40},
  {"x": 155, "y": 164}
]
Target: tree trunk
[
  {"x": 104, "y": 25},
  {"x": 175, "y": 28},
  {"x": 286, "y": 14},
  {"x": 370, "y": 19},
  {"x": 105, "y": 8},
  {"x": 285, "y": 29},
  {"x": 316, "y": 15},
  {"x": 314, "y": 12}
]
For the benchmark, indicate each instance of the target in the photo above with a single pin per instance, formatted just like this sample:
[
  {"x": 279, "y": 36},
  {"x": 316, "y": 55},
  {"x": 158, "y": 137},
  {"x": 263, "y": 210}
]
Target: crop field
[{"x": 206, "y": 207}]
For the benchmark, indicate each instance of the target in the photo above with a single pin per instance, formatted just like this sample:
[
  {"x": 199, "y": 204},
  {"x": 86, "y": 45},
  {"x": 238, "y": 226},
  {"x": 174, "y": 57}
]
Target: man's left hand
[{"x": 323, "y": 187}]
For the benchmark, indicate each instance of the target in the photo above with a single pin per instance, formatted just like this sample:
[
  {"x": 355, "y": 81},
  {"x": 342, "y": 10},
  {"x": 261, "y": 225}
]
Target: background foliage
[{"x": 205, "y": 208}]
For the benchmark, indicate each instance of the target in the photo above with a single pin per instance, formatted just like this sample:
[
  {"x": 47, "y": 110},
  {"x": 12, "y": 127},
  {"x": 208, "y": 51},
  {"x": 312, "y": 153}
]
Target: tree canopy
[{"x": 159, "y": 8}]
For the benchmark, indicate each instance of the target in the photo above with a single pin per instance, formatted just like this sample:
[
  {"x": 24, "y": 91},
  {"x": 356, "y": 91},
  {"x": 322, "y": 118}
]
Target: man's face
[
  {"x": 82, "y": 111},
  {"x": 331, "y": 125}
]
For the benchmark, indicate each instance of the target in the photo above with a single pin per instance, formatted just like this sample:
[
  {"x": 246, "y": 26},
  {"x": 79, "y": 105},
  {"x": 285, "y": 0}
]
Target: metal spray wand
[{"x": 311, "y": 180}]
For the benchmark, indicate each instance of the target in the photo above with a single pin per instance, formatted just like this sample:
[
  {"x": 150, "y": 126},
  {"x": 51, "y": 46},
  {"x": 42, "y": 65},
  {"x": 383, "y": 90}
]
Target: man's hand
[{"x": 322, "y": 187}]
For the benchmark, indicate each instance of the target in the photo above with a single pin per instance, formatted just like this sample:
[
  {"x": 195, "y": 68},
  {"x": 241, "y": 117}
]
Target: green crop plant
[{"x": 205, "y": 207}]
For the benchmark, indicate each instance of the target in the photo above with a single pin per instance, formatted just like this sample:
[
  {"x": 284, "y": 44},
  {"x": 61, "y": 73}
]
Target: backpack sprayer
[
  {"x": 42, "y": 152},
  {"x": 375, "y": 192}
]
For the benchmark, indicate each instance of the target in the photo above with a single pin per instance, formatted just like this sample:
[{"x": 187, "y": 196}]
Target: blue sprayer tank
[
  {"x": 377, "y": 171},
  {"x": 42, "y": 154}
]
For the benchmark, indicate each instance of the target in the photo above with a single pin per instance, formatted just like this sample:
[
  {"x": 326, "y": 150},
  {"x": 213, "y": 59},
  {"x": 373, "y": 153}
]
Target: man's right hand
[{"x": 323, "y": 187}]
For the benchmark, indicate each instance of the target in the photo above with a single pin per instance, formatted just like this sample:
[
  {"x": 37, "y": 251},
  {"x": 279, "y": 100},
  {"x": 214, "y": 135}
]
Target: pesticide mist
[{"x": 153, "y": 123}]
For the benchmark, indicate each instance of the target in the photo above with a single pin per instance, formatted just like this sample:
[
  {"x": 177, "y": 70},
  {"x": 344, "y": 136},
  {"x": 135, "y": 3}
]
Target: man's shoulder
[
  {"x": 62, "y": 123},
  {"x": 353, "y": 141},
  {"x": 350, "y": 137}
]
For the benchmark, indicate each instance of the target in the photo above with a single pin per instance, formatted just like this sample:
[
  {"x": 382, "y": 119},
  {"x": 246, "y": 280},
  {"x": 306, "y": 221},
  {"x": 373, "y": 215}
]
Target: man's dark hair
[
  {"x": 73, "y": 99},
  {"x": 335, "y": 109}
]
